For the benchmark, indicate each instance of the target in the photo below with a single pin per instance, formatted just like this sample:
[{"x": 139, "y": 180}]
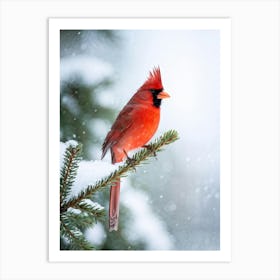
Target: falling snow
[{"x": 181, "y": 206}]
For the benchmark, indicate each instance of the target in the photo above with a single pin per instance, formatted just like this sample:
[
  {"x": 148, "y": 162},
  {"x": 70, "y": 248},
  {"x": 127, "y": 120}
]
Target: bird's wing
[{"x": 123, "y": 122}]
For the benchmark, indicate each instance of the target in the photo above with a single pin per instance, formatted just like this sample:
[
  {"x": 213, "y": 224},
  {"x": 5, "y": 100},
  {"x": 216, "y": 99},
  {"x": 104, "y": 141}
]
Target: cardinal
[{"x": 133, "y": 128}]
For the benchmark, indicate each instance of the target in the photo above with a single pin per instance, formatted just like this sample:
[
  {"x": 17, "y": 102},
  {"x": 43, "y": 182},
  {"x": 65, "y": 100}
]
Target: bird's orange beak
[{"x": 163, "y": 95}]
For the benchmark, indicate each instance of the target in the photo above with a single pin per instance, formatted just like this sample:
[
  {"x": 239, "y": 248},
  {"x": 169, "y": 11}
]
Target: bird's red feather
[
  {"x": 133, "y": 128},
  {"x": 153, "y": 81}
]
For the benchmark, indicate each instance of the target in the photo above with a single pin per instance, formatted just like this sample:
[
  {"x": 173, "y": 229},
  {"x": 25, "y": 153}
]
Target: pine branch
[
  {"x": 75, "y": 220},
  {"x": 72, "y": 233},
  {"x": 93, "y": 210},
  {"x": 68, "y": 172},
  {"x": 129, "y": 165}
]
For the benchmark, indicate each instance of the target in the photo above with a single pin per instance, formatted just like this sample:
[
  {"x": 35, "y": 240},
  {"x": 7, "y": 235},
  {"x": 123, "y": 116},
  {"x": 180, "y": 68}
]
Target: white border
[{"x": 224, "y": 254}]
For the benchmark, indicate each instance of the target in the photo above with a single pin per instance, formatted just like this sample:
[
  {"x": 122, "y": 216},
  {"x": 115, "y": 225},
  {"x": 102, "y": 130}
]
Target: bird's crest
[{"x": 154, "y": 80}]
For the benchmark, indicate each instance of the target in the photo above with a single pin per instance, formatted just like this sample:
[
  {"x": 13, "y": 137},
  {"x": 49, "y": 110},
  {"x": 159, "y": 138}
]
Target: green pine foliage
[
  {"x": 79, "y": 213},
  {"x": 69, "y": 170},
  {"x": 72, "y": 237},
  {"x": 84, "y": 214}
]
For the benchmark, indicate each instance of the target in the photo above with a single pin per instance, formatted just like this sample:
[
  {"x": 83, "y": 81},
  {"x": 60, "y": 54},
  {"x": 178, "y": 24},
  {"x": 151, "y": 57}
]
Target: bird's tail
[{"x": 114, "y": 206}]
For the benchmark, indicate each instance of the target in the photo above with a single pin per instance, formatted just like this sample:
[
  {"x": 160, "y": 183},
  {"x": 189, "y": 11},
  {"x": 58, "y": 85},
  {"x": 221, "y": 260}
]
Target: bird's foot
[
  {"x": 148, "y": 147},
  {"x": 130, "y": 161}
]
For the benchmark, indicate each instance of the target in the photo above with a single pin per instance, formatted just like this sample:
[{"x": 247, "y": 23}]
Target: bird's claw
[{"x": 130, "y": 160}]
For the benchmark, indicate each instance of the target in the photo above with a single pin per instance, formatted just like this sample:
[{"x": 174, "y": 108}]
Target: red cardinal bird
[{"x": 134, "y": 127}]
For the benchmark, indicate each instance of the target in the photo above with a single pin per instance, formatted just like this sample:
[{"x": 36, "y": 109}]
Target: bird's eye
[{"x": 156, "y": 91}]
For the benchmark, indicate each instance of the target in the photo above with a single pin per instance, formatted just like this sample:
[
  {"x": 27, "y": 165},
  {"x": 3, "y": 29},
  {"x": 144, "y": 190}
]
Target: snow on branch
[{"x": 129, "y": 165}]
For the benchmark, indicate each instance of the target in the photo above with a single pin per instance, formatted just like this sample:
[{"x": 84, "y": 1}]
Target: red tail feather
[
  {"x": 114, "y": 206},
  {"x": 117, "y": 156}
]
